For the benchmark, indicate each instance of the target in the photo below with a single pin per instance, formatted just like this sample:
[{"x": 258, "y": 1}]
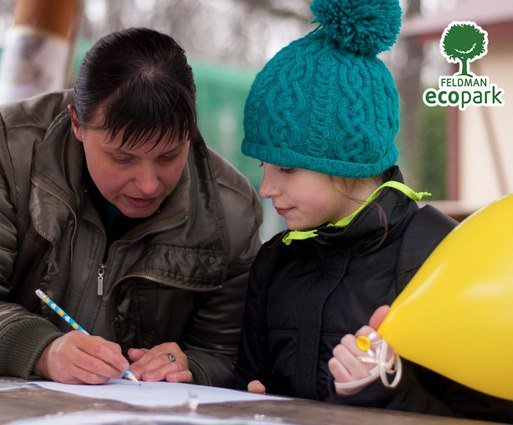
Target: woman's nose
[{"x": 147, "y": 180}]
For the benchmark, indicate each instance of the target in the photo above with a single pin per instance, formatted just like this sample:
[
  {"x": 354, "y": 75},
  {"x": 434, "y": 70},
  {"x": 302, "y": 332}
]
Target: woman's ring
[{"x": 171, "y": 357}]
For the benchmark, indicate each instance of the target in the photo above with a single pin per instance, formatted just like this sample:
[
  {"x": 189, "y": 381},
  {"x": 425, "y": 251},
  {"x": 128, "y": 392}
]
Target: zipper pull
[{"x": 101, "y": 273}]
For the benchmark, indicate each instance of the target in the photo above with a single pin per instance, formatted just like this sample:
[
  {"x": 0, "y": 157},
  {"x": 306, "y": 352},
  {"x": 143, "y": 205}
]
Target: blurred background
[{"x": 462, "y": 157}]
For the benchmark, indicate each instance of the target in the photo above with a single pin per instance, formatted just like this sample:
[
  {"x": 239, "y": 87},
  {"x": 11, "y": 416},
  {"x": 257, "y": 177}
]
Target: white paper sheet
[{"x": 152, "y": 394}]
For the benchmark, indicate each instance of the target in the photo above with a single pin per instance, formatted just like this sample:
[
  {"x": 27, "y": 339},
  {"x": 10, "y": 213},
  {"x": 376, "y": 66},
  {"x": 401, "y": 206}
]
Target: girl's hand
[
  {"x": 256, "y": 387},
  {"x": 348, "y": 362}
]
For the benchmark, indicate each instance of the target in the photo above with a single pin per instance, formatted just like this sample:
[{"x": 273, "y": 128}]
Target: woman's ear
[{"x": 75, "y": 123}]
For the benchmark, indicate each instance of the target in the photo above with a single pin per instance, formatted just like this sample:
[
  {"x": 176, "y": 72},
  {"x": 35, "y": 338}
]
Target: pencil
[{"x": 72, "y": 322}]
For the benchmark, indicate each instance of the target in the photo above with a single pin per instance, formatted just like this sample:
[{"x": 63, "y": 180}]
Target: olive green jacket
[{"x": 180, "y": 275}]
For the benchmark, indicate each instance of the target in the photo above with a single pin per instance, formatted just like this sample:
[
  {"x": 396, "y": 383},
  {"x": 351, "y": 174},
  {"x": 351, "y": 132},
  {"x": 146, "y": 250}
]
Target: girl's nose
[{"x": 267, "y": 188}]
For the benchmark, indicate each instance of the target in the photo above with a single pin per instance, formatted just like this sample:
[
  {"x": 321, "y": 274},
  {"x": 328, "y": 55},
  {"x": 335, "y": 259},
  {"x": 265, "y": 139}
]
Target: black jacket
[{"x": 304, "y": 297}]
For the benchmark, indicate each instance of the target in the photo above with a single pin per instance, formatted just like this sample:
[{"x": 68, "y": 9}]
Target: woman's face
[{"x": 135, "y": 180}]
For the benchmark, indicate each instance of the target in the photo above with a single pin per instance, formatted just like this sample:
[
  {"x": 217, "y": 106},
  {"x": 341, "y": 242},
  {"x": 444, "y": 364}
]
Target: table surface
[{"x": 31, "y": 402}]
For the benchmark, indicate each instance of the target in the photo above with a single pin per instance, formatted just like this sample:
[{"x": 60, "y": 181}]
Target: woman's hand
[
  {"x": 78, "y": 358},
  {"x": 164, "y": 362}
]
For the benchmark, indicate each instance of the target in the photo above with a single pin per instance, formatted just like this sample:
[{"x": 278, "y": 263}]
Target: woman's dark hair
[{"x": 143, "y": 85}]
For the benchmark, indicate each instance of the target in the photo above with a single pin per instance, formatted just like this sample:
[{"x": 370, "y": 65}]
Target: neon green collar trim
[{"x": 299, "y": 235}]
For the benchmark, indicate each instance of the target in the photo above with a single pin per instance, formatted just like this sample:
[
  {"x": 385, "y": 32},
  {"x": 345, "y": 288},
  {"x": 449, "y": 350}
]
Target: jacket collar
[
  {"x": 53, "y": 158},
  {"x": 58, "y": 197},
  {"x": 49, "y": 192},
  {"x": 381, "y": 222}
]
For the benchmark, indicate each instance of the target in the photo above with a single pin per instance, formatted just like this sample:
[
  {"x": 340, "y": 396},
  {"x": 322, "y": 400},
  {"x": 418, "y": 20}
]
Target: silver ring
[{"x": 171, "y": 357}]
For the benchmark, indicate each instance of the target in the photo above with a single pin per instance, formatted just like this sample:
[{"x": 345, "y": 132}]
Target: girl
[{"x": 322, "y": 117}]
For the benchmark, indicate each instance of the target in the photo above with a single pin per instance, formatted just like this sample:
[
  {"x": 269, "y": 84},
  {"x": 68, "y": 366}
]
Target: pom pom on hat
[
  {"x": 367, "y": 27},
  {"x": 326, "y": 102}
]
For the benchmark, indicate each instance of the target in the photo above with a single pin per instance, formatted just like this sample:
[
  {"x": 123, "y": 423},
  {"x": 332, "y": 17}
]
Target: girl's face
[
  {"x": 135, "y": 180},
  {"x": 305, "y": 198}
]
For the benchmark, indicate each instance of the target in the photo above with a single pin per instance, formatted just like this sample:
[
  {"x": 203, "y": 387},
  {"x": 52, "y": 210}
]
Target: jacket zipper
[
  {"x": 153, "y": 279},
  {"x": 102, "y": 267},
  {"x": 101, "y": 273}
]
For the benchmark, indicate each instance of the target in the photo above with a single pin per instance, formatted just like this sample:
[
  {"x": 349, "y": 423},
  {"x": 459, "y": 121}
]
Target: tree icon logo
[{"x": 464, "y": 42}]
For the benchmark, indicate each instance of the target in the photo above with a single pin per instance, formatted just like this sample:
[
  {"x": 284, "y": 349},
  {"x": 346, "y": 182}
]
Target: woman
[{"x": 112, "y": 204}]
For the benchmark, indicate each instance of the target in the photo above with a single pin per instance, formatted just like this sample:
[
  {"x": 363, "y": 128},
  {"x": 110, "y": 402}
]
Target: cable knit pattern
[
  {"x": 320, "y": 125},
  {"x": 325, "y": 102}
]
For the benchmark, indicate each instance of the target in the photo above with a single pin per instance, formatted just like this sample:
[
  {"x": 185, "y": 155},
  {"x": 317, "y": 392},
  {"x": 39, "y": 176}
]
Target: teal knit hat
[{"x": 325, "y": 102}]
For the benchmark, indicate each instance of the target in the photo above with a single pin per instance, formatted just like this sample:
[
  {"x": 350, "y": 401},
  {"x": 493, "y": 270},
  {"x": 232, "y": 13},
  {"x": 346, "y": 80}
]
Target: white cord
[
  {"x": 390, "y": 367},
  {"x": 382, "y": 368}
]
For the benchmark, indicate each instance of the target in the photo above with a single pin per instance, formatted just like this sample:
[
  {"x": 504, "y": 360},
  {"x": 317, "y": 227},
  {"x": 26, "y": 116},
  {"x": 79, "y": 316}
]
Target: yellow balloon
[{"x": 456, "y": 315}]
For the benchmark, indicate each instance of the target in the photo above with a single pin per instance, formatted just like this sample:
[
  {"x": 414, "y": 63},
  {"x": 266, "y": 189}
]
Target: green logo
[{"x": 463, "y": 43}]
